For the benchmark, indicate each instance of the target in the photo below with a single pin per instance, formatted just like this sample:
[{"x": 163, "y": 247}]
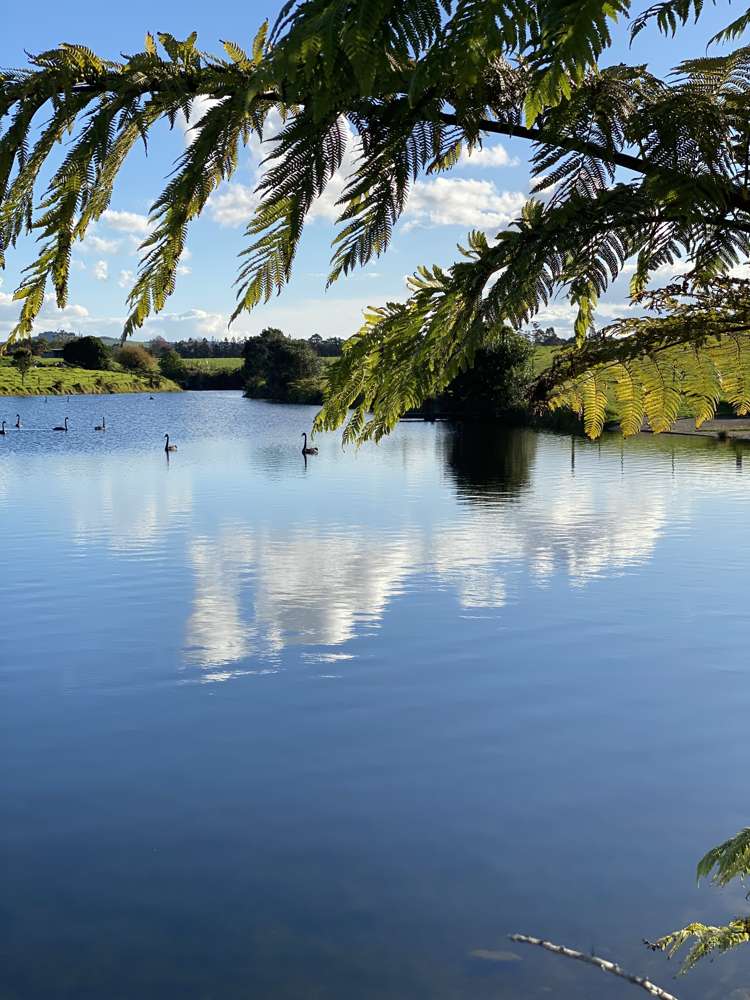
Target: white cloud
[
  {"x": 615, "y": 310},
  {"x": 441, "y": 201},
  {"x": 127, "y": 222},
  {"x": 487, "y": 156},
  {"x": 461, "y": 202},
  {"x": 437, "y": 202},
  {"x": 125, "y": 280},
  {"x": 326, "y": 207},
  {"x": 233, "y": 204},
  {"x": 562, "y": 314},
  {"x": 673, "y": 270},
  {"x": 182, "y": 269},
  {"x": 98, "y": 244},
  {"x": 206, "y": 323},
  {"x": 49, "y": 315},
  {"x": 666, "y": 272},
  {"x": 101, "y": 270},
  {"x": 326, "y": 315},
  {"x": 72, "y": 311},
  {"x": 190, "y": 323}
]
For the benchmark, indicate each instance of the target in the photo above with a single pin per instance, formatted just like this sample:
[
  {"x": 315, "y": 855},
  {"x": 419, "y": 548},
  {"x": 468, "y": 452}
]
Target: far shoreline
[
  {"x": 68, "y": 381},
  {"x": 143, "y": 390}
]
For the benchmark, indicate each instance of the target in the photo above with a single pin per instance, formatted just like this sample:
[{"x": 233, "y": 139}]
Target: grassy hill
[{"x": 49, "y": 379}]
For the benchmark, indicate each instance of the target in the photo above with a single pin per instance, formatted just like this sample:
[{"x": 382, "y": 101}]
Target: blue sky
[{"x": 485, "y": 192}]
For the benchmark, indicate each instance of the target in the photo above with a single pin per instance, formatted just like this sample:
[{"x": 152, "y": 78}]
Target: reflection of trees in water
[
  {"x": 497, "y": 460},
  {"x": 676, "y": 445}
]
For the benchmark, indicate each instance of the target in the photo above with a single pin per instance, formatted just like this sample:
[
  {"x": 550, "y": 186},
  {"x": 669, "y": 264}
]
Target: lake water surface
[{"x": 332, "y": 730}]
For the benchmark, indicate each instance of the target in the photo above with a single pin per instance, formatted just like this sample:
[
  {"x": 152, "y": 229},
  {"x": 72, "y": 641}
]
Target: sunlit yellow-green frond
[
  {"x": 690, "y": 379},
  {"x": 628, "y": 395},
  {"x": 704, "y": 940},
  {"x": 730, "y": 860}
]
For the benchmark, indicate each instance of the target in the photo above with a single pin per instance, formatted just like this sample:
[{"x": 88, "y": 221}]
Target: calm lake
[{"x": 276, "y": 730}]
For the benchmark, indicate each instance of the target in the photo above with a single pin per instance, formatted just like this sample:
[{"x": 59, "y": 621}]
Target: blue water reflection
[{"x": 276, "y": 728}]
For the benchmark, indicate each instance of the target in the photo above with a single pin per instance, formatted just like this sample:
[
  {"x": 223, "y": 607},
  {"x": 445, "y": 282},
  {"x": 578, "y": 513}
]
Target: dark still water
[{"x": 270, "y": 730}]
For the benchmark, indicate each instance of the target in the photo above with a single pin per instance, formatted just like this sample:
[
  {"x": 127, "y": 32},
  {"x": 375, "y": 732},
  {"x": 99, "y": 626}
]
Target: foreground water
[{"x": 288, "y": 730}]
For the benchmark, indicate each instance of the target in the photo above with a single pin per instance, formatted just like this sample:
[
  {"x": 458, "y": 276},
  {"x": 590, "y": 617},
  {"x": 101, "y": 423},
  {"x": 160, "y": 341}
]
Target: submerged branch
[{"x": 599, "y": 963}]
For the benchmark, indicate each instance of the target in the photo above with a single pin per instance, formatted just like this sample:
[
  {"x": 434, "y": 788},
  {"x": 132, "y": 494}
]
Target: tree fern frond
[
  {"x": 307, "y": 155},
  {"x": 728, "y": 861},
  {"x": 669, "y": 16},
  {"x": 707, "y": 940},
  {"x": 736, "y": 29},
  {"x": 629, "y": 398},
  {"x": 209, "y": 160},
  {"x": 593, "y": 403}
]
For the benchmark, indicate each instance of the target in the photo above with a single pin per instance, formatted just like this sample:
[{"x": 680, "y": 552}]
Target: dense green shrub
[
  {"x": 275, "y": 362},
  {"x": 496, "y": 384},
  {"x": 86, "y": 352},
  {"x": 257, "y": 353},
  {"x": 172, "y": 366},
  {"x": 305, "y": 390},
  {"x": 135, "y": 358},
  {"x": 291, "y": 361}
]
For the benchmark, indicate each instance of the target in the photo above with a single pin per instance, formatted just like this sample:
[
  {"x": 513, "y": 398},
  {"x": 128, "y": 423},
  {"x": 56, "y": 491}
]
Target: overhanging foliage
[
  {"x": 728, "y": 861},
  {"x": 628, "y": 168}
]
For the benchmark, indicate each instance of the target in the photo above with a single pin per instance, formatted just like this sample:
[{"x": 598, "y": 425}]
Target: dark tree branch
[{"x": 737, "y": 197}]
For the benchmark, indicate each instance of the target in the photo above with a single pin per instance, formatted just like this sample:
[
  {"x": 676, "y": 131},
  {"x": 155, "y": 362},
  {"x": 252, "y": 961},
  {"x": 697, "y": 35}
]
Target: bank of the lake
[{"x": 64, "y": 380}]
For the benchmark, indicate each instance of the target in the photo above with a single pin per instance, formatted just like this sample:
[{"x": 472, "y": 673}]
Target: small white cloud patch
[
  {"x": 461, "y": 202},
  {"x": 98, "y": 244},
  {"x": 487, "y": 156},
  {"x": 126, "y": 222},
  {"x": 233, "y": 205}
]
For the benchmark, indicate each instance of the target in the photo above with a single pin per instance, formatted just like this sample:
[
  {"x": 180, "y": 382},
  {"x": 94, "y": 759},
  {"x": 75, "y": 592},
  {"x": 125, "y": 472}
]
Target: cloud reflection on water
[
  {"x": 255, "y": 555},
  {"x": 258, "y": 591}
]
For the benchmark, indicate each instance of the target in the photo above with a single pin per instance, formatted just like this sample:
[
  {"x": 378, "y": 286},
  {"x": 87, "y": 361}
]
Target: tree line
[
  {"x": 204, "y": 347},
  {"x": 286, "y": 369}
]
